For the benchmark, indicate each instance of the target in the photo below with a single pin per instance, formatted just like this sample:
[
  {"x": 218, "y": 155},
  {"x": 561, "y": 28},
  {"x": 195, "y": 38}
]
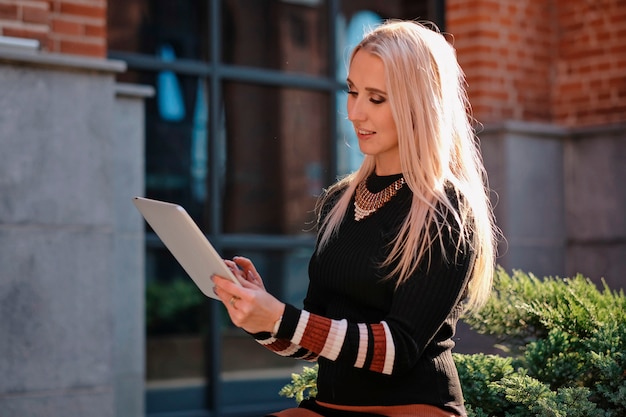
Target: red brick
[
  {"x": 35, "y": 15},
  {"x": 82, "y": 48},
  {"x": 98, "y": 31},
  {"x": 66, "y": 27},
  {"x": 39, "y": 35},
  {"x": 84, "y": 10},
  {"x": 553, "y": 76},
  {"x": 8, "y": 11},
  {"x": 54, "y": 5}
]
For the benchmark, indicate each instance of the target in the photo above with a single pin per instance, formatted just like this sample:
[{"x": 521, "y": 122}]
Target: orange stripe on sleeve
[
  {"x": 315, "y": 334},
  {"x": 380, "y": 347}
]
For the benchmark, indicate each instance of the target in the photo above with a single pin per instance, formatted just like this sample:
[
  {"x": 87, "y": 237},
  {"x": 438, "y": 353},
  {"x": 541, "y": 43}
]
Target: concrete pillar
[{"x": 71, "y": 257}]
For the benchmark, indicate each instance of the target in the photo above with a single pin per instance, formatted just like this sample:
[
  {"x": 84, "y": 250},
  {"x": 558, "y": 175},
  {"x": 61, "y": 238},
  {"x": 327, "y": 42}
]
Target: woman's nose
[{"x": 355, "y": 113}]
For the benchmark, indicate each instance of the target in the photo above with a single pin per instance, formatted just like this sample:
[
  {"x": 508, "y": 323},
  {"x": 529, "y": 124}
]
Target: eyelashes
[{"x": 375, "y": 100}]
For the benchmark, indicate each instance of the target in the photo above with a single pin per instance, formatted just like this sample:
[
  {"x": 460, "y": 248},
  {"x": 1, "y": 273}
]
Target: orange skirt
[{"x": 410, "y": 410}]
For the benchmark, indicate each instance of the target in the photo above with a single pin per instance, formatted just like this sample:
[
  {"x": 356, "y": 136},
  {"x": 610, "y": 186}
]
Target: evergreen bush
[
  {"x": 174, "y": 308},
  {"x": 564, "y": 351}
]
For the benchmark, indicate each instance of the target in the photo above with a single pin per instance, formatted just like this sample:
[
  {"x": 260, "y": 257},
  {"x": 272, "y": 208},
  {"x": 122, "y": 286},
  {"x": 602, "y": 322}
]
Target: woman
[{"x": 405, "y": 243}]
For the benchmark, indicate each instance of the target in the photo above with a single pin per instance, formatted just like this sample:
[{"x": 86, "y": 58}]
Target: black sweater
[{"x": 375, "y": 344}]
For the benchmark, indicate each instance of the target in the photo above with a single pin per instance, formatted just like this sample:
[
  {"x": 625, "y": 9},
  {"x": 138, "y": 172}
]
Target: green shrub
[
  {"x": 173, "y": 308},
  {"x": 302, "y": 385},
  {"x": 565, "y": 346}
]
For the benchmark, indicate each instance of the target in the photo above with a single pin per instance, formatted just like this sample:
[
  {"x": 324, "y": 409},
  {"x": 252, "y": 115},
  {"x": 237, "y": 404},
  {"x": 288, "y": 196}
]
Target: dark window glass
[
  {"x": 166, "y": 28},
  {"x": 277, "y": 155},
  {"x": 389, "y": 9},
  {"x": 290, "y": 36},
  {"x": 285, "y": 275},
  {"x": 176, "y": 170},
  {"x": 176, "y": 322},
  {"x": 177, "y": 140}
]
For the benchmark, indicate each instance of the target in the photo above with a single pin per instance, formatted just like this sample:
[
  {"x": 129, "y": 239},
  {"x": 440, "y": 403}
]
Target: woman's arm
[{"x": 419, "y": 309}]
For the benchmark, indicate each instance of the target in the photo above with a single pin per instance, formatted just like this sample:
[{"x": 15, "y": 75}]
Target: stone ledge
[
  {"x": 59, "y": 61},
  {"x": 607, "y": 129},
  {"x": 526, "y": 128},
  {"x": 134, "y": 90},
  {"x": 550, "y": 130}
]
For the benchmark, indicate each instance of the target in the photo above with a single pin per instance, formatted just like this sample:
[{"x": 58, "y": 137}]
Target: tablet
[{"x": 184, "y": 239}]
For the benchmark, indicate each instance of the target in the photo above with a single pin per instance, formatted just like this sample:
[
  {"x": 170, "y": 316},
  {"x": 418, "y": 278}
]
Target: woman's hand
[
  {"x": 250, "y": 306},
  {"x": 243, "y": 268}
]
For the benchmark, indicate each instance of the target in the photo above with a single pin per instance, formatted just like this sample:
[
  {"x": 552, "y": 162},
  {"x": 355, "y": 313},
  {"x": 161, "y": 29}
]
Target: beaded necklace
[{"x": 366, "y": 202}]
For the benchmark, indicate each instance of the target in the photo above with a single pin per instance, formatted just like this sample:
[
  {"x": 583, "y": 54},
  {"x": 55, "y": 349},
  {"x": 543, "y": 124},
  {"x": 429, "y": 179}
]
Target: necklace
[{"x": 366, "y": 202}]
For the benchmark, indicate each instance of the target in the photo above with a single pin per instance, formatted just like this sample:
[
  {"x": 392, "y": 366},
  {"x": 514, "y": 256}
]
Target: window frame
[{"x": 218, "y": 397}]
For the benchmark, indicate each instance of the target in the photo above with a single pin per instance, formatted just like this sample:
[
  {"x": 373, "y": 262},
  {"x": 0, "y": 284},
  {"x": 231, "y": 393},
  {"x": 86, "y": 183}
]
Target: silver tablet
[{"x": 182, "y": 236}]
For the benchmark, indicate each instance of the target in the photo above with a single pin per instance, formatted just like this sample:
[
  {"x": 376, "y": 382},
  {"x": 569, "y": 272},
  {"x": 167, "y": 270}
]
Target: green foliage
[
  {"x": 173, "y": 308},
  {"x": 528, "y": 396},
  {"x": 502, "y": 315},
  {"x": 476, "y": 373},
  {"x": 566, "y": 346},
  {"x": 302, "y": 385},
  {"x": 569, "y": 340}
]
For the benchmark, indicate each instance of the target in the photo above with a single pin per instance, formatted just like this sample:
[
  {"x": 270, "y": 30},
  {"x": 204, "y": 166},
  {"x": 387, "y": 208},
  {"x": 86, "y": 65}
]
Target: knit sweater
[{"x": 377, "y": 344}]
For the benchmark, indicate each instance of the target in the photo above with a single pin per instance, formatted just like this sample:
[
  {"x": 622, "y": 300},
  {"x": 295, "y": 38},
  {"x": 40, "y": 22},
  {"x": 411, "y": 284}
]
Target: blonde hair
[{"x": 426, "y": 92}]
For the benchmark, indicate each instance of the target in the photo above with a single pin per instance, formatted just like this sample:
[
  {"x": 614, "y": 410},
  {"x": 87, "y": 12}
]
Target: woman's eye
[{"x": 375, "y": 100}]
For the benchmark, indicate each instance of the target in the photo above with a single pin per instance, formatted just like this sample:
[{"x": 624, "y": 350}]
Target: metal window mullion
[
  {"x": 276, "y": 78},
  {"x": 438, "y": 11},
  {"x": 228, "y": 72},
  {"x": 213, "y": 349},
  {"x": 144, "y": 62},
  {"x": 333, "y": 12}
]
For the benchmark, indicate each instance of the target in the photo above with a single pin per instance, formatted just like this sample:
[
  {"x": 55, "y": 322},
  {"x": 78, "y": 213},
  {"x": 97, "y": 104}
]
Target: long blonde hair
[{"x": 426, "y": 92}]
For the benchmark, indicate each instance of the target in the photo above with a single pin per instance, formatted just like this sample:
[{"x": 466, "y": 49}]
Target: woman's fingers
[
  {"x": 245, "y": 264},
  {"x": 247, "y": 283},
  {"x": 250, "y": 272},
  {"x": 249, "y": 306},
  {"x": 232, "y": 296},
  {"x": 225, "y": 285},
  {"x": 237, "y": 272},
  {"x": 245, "y": 279}
]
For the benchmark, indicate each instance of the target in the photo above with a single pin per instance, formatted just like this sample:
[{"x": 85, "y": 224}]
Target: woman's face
[{"x": 370, "y": 112}]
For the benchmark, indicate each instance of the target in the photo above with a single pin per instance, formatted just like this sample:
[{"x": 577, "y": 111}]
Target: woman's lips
[{"x": 364, "y": 134}]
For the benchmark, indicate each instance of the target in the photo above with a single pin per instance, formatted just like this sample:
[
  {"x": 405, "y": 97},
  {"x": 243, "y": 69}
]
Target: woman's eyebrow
[{"x": 375, "y": 91}]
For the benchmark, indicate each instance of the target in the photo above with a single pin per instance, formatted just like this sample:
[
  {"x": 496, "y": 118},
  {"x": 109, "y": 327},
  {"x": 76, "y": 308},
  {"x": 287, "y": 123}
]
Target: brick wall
[
  {"x": 590, "y": 74},
  {"x": 76, "y": 27},
  {"x": 553, "y": 61}
]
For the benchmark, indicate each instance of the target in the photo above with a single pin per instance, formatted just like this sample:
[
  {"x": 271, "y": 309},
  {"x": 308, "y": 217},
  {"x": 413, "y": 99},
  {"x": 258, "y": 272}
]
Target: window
[{"x": 246, "y": 128}]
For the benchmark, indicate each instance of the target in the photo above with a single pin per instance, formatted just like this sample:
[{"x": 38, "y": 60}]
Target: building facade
[
  {"x": 547, "y": 79},
  {"x": 235, "y": 109}
]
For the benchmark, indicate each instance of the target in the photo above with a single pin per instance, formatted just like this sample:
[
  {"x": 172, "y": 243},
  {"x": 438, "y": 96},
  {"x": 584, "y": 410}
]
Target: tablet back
[{"x": 184, "y": 239}]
